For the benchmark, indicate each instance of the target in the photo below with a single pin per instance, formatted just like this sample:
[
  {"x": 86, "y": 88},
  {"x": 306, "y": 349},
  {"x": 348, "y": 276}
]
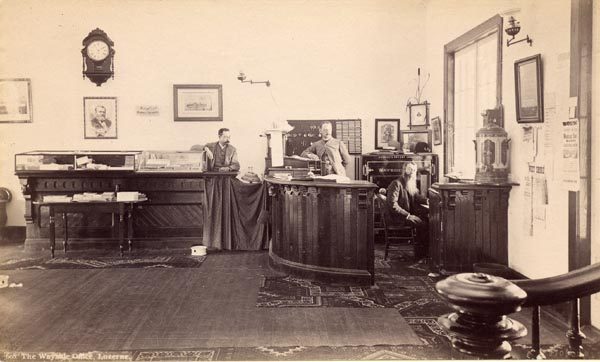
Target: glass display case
[
  {"x": 172, "y": 161},
  {"x": 77, "y": 160}
]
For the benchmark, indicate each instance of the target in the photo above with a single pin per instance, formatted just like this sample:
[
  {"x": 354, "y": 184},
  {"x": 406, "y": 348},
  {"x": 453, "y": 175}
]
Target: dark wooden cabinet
[{"x": 468, "y": 224}]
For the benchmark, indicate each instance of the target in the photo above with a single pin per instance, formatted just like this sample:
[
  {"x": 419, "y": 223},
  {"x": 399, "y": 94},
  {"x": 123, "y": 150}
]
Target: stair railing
[{"x": 480, "y": 325}]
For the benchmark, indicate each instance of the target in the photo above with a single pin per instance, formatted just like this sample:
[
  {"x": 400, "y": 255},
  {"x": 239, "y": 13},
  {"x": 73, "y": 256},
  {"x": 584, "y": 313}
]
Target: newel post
[{"x": 480, "y": 326}]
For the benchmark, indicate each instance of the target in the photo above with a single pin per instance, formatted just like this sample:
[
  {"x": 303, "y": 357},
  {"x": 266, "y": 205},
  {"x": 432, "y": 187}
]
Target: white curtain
[{"x": 475, "y": 75}]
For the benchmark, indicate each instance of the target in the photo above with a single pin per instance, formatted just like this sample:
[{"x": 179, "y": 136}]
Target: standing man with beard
[
  {"x": 221, "y": 155},
  {"x": 404, "y": 206}
]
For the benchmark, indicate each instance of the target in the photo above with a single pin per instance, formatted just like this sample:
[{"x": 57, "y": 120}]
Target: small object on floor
[
  {"x": 433, "y": 275},
  {"x": 15, "y": 285},
  {"x": 198, "y": 250},
  {"x": 3, "y": 281}
]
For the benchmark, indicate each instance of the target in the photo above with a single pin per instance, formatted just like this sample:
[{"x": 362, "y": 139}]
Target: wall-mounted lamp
[
  {"x": 242, "y": 78},
  {"x": 513, "y": 30}
]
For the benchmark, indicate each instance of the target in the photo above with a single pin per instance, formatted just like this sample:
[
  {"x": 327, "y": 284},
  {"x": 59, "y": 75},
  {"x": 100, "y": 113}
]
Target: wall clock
[{"x": 98, "y": 57}]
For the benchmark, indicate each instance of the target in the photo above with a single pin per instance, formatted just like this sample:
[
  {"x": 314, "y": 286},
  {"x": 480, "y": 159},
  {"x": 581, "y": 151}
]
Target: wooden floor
[
  {"x": 76, "y": 310},
  {"x": 80, "y": 310}
]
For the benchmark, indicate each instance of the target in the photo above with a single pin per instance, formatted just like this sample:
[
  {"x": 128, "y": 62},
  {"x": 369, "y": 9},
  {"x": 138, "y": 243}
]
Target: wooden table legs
[
  {"x": 52, "y": 230},
  {"x": 130, "y": 226},
  {"x": 123, "y": 210},
  {"x": 65, "y": 222},
  {"x": 121, "y": 227}
]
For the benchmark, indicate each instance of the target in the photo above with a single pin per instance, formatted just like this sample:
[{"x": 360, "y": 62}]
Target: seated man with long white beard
[{"x": 404, "y": 202}]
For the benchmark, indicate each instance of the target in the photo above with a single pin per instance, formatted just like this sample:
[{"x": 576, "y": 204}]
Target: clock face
[{"x": 97, "y": 50}]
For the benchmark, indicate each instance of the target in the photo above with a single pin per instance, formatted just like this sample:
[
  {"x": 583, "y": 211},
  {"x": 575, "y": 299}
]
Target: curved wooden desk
[{"x": 323, "y": 229}]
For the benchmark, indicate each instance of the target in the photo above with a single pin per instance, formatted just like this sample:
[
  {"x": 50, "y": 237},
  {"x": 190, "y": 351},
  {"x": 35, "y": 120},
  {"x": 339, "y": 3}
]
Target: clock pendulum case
[{"x": 98, "y": 57}]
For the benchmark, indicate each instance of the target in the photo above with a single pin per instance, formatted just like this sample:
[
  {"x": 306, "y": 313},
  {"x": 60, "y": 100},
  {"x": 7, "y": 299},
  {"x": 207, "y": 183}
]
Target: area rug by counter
[{"x": 176, "y": 261}]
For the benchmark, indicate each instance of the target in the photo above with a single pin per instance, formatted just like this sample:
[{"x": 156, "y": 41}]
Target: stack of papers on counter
[
  {"x": 90, "y": 196},
  {"x": 57, "y": 198}
]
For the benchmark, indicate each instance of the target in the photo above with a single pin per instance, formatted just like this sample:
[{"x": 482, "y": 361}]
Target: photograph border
[
  {"x": 386, "y": 120},
  {"x": 179, "y": 118},
  {"x": 539, "y": 117},
  {"x": 85, "y": 136},
  {"x": 29, "y": 99}
]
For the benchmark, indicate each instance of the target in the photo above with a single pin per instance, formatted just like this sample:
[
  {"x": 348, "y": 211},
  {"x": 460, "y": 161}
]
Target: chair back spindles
[{"x": 403, "y": 233}]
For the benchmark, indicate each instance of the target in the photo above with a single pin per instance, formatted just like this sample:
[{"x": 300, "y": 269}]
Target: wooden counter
[
  {"x": 468, "y": 223},
  {"x": 175, "y": 215},
  {"x": 323, "y": 230}
]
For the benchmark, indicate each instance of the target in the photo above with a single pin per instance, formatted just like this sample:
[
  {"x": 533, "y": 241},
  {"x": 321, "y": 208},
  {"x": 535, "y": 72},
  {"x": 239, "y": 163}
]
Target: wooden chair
[{"x": 403, "y": 236}]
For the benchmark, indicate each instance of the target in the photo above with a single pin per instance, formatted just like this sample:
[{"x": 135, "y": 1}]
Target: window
[{"x": 473, "y": 75}]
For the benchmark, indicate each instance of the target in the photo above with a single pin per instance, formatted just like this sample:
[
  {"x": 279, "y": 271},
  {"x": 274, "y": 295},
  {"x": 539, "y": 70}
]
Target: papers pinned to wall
[{"x": 570, "y": 154}]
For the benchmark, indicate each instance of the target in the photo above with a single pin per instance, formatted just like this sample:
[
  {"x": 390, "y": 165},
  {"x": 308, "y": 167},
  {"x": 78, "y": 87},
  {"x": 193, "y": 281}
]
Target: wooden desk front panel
[
  {"x": 326, "y": 229},
  {"x": 468, "y": 224}
]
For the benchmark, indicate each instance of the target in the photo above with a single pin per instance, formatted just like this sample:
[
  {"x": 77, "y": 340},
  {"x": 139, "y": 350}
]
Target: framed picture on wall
[
  {"x": 419, "y": 116},
  {"x": 100, "y": 117},
  {"x": 198, "y": 102},
  {"x": 386, "y": 133},
  {"x": 436, "y": 130},
  {"x": 528, "y": 90},
  {"x": 15, "y": 100},
  {"x": 416, "y": 140}
]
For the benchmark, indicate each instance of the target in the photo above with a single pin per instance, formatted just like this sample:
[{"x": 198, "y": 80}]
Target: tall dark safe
[{"x": 381, "y": 168}]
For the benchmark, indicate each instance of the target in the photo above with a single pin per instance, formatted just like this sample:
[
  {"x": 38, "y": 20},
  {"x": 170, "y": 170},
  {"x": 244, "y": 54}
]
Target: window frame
[{"x": 494, "y": 24}]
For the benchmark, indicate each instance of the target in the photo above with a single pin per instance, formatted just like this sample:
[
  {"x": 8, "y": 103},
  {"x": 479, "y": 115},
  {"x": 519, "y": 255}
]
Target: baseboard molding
[{"x": 12, "y": 234}]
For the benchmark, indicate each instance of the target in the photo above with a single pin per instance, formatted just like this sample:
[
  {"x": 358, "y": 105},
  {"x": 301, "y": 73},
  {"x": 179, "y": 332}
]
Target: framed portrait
[
  {"x": 198, "y": 102},
  {"x": 416, "y": 140},
  {"x": 386, "y": 133},
  {"x": 100, "y": 117},
  {"x": 15, "y": 100},
  {"x": 436, "y": 130},
  {"x": 418, "y": 116},
  {"x": 528, "y": 90}
]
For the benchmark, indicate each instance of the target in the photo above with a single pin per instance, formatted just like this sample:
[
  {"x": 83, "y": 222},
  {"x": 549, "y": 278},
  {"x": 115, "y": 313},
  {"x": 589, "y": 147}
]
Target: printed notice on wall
[
  {"x": 528, "y": 203},
  {"x": 570, "y": 154},
  {"x": 549, "y": 133}
]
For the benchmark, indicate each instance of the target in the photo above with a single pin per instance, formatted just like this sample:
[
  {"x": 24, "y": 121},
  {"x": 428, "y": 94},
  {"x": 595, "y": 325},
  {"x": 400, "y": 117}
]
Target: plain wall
[{"x": 325, "y": 60}]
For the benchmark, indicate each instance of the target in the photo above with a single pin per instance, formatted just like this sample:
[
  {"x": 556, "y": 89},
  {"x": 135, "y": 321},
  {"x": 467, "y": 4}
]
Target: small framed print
[
  {"x": 15, "y": 100},
  {"x": 99, "y": 117},
  {"x": 416, "y": 140},
  {"x": 198, "y": 102},
  {"x": 386, "y": 133},
  {"x": 419, "y": 116},
  {"x": 436, "y": 128},
  {"x": 529, "y": 90}
]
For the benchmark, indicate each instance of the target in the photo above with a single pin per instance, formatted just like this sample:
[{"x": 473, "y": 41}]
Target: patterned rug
[
  {"x": 292, "y": 353},
  {"x": 177, "y": 261},
  {"x": 400, "y": 283}
]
